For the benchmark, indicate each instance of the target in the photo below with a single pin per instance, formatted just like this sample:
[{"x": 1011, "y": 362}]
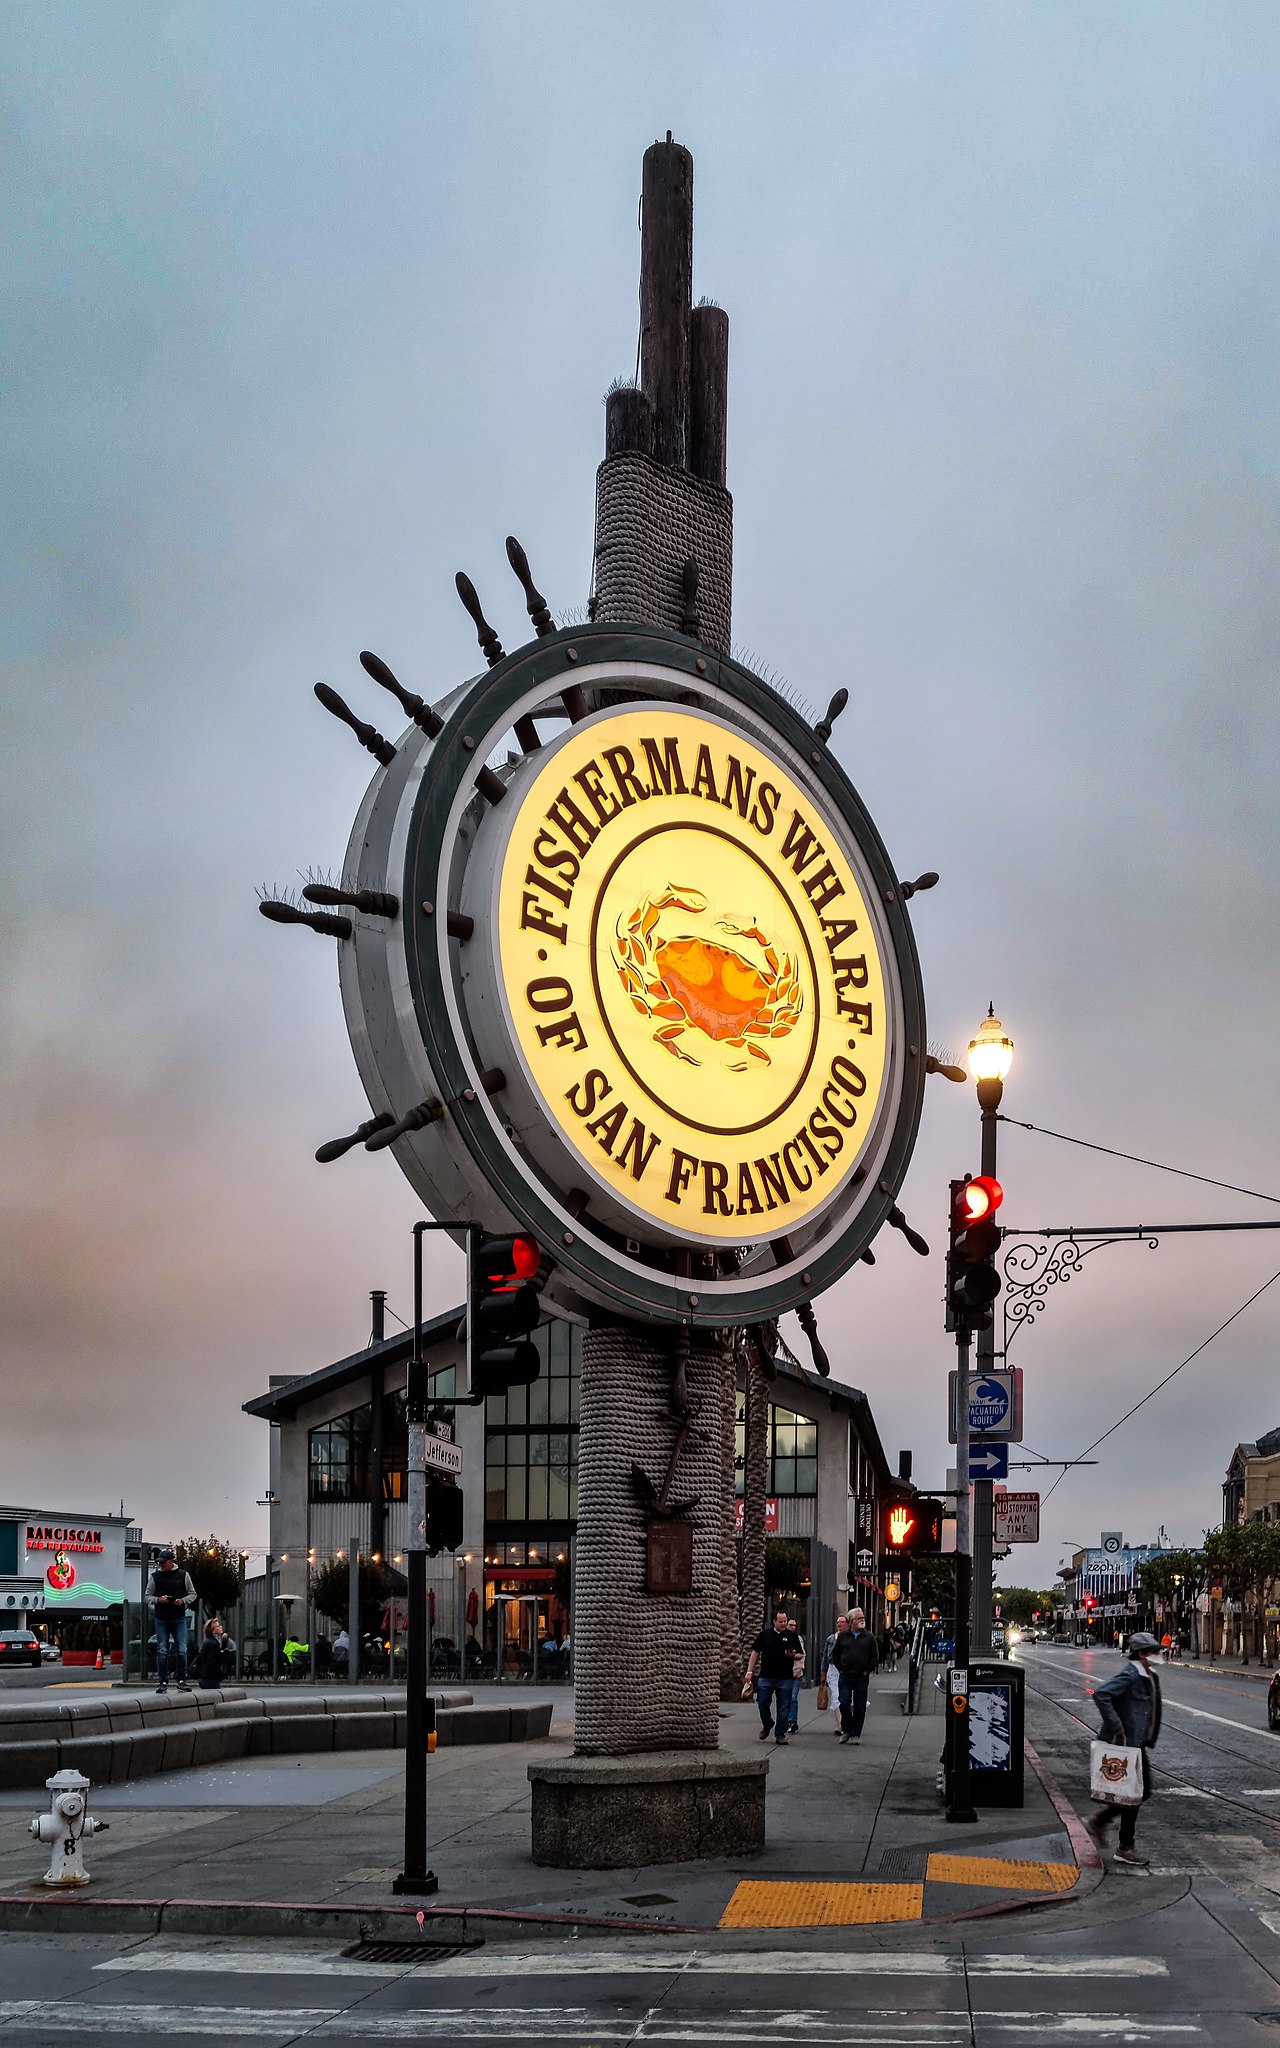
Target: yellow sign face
[{"x": 691, "y": 974}]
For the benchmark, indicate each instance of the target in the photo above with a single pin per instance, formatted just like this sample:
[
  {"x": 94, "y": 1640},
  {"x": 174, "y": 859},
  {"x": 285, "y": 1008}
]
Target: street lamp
[{"x": 990, "y": 1058}]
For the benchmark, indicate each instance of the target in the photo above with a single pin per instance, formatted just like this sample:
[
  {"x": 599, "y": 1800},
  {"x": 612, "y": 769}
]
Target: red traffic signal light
[
  {"x": 978, "y": 1199},
  {"x": 972, "y": 1280},
  {"x": 502, "y": 1310},
  {"x": 506, "y": 1262}
]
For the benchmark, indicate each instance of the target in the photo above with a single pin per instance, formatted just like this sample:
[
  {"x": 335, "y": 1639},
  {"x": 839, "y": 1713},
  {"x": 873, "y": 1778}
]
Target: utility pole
[
  {"x": 377, "y": 1430},
  {"x": 990, "y": 1055}
]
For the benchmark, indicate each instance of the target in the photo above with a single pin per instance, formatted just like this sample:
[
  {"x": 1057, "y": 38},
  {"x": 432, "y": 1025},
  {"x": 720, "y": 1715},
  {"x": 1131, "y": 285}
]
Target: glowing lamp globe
[{"x": 991, "y": 1052}]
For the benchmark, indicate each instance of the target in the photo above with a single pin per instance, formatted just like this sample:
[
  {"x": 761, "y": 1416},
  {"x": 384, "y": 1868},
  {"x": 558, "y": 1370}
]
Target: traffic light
[
  {"x": 972, "y": 1280},
  {"x": 911, "y": 1528},
  {"x": 502, "y": 1308},
  {"x": 444, "y": 1516}
]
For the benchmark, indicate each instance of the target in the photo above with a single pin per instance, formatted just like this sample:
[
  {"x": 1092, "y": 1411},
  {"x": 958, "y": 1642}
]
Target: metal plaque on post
[{"x": 669, "y": 1563}]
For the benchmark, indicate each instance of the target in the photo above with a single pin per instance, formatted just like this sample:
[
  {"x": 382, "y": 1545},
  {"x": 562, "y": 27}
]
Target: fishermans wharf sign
[{"x": 652, "y": 991}]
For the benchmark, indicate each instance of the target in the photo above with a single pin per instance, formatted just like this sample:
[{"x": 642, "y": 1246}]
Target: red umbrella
[
  {"x": 431, "y": 1605},
  {"x": 473, "y": 1608}
]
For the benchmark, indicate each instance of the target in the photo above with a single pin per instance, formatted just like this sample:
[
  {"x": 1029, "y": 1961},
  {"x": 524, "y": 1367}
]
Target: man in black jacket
[
  {"x": 1129, "y": 1705},
  {"x": 855, "y": 1657}
]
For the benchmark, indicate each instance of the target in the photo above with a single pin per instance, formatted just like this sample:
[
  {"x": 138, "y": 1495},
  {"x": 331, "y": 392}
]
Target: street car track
[{"x": 1221, "y": 1749}]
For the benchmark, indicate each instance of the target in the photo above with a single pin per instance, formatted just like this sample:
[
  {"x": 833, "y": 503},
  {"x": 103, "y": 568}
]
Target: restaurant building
[
  {"x": 338, "y": 1476},
  {"x": 62, "y": 1565}
]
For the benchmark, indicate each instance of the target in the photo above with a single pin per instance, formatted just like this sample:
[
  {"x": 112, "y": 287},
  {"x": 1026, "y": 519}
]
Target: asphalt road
[{"x": 1186, "y": 1954}]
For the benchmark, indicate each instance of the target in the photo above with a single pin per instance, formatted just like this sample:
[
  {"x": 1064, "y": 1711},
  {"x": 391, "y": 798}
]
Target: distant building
[
  {"x": 338, "y": 1475},
  {"x": 1251, "y": 1489},
  {"x": 61, "y": 1564},
  {"x": 1107, "y": 1586}
]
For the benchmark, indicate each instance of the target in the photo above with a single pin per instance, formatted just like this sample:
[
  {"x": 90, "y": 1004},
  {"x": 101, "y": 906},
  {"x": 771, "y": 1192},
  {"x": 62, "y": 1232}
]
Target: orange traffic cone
[{"x": 97, "y": 1662}]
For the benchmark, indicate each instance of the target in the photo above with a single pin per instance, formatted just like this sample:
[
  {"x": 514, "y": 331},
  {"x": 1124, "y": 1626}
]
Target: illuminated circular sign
[{"x": 652, "y": 984}]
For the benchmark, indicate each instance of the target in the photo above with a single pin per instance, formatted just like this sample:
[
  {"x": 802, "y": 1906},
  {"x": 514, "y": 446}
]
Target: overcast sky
[{"x": 309, "y": 306}]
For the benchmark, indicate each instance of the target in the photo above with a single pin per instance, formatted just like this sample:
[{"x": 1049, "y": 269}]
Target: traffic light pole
[
  {"x": 415, "y": 1878},
  {"x": 989, "y": 1094},
  {"x": 960, "y": 1805}
]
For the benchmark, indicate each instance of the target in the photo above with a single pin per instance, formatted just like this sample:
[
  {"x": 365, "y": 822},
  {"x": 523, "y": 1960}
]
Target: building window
[
  {"x": 339, "y": 1458},
  {"x": 793, "y": 1452},
  {"x": 531, "y": 1437},
  {"x": 340, "y": 1452}
]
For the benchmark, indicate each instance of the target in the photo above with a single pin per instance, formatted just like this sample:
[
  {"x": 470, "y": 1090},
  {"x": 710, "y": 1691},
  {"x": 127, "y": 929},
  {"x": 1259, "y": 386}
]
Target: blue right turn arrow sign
[{"x": 988, "y": 1461}]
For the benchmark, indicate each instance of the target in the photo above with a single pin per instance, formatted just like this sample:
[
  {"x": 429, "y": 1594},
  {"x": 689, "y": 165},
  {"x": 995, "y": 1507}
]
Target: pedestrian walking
[
  {"x": 769, "y": 1666},
  {"x": 855, "y": 1657},
  {"x": 830, "y": 1675},
  {"x": 797, "y": 1674},
  {"x": 209, "y": 1658},
  {"x": 1129, "y": 1705},
  {"x": 169, "y": 1593}
]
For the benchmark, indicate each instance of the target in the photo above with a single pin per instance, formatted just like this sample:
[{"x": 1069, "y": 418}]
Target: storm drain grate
[
  {"x": 649, "y": 1899},
  {"x": 904, "y": 1862},
  {"x": 404, "y": 1951}
]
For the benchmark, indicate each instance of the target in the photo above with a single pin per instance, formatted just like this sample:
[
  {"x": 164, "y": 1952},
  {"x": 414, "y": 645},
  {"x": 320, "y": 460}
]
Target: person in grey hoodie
[{"x": 1129, "y": 1705}]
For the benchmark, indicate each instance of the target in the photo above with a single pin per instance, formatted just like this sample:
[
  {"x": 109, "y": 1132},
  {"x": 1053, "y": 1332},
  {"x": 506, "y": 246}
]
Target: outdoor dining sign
[{"x": 651, "y": 992}]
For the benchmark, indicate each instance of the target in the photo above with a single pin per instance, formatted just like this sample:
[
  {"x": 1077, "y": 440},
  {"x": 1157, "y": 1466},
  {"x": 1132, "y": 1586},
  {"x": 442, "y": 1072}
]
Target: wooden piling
[
  {"x": 709, "y": 392},
  {"x": 666, "y": 296}
]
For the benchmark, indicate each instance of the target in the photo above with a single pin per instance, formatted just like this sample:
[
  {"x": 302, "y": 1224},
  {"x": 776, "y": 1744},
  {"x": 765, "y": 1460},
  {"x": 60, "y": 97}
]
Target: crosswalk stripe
[
  {"x": 1203, "y": 1714},
  {"x": 585, "y": 2029},
  {"x": 265, "y": 1959}
]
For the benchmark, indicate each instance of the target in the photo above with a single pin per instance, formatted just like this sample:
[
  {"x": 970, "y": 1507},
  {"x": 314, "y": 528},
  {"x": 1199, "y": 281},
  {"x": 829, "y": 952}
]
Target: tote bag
[
  {"x": 1115, "y": 1774},
  {"x": 824, "y": 1696}
]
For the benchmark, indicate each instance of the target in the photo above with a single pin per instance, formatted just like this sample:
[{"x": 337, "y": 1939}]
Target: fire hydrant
[{"x": 65, "y": 1825}]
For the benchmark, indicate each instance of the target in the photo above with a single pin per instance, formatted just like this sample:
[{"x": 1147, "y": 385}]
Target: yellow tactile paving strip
[
  {"x": 1001, "y": 1872},
  {"x": 756, "y": 1903}
]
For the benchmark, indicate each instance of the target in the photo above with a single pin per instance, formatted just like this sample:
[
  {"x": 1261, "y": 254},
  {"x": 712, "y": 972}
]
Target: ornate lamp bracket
[{"x": 1032, "y": 1265}]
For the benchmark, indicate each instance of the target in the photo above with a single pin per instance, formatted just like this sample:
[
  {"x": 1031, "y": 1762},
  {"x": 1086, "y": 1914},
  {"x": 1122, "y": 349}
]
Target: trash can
[{"x": 995, "y": 1733}]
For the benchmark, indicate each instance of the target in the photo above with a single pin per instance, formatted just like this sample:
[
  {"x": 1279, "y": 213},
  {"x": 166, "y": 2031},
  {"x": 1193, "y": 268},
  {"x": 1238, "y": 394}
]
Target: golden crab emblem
[{"x": 735, "y": 995}]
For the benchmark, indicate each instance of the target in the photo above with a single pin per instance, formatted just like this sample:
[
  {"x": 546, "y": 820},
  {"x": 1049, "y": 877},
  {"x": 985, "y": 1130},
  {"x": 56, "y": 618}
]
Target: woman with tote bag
[{"x": 1129, "y": 1705}]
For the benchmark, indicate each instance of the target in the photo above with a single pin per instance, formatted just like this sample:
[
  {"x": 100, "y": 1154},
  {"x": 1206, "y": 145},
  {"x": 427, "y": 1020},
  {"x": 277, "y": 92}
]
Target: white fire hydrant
[{"x": 65, "y": 1825}]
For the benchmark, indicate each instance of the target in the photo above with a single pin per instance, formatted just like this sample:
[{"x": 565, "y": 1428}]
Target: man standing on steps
[
  {"x": 169, "y": 1594},
  {"x": 1129, "y": 1705},
  {"x": 771, "y": 1663},
  {"x": 855, "y": 1657}
]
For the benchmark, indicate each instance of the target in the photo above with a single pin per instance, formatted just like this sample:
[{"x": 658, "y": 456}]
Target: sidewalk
[{"x": 856, "y": 1837}]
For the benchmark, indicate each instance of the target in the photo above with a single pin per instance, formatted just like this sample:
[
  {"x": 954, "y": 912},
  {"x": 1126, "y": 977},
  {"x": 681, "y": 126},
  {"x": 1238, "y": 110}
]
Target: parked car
[
  {"x": 50, "y": 1653},
  {"x": 18, "y": 1646},
  {"x": 1273, "y": 1703}
]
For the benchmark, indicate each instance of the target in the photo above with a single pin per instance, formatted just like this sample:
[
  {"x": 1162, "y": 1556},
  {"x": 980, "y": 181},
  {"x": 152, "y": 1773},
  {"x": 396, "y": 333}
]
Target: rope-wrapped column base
[{"x": 647, "y": 1664}]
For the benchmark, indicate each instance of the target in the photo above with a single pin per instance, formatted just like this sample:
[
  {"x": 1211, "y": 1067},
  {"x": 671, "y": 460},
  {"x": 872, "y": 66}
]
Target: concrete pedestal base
[{"x": 670, "y": 1806}]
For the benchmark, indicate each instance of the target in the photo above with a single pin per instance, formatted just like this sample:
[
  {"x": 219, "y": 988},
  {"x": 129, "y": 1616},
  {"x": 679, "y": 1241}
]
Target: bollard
[{"x": 65, "y": 1825}]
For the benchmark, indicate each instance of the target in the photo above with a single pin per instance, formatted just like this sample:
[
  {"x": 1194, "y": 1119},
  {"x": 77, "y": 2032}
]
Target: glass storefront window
[{"x": 531, "y": 1438}]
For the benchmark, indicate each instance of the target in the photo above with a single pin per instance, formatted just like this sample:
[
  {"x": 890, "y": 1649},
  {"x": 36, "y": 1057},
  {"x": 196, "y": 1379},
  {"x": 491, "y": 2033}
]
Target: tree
[
  {"x": 1019, "y": 1603},
  {"x": 786, "y": 1565},
  {"x": 331, "y": 1592},
  {"x": 214, "y": 1568}
]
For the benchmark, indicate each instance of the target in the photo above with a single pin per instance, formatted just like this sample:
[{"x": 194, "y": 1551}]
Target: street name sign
[
  {"x": 1017, "y": 1518},
  {"x": 439, "y": 1455},
  {"x": 988, "y": 1461},
  {"x": 995, "y": 1405}
]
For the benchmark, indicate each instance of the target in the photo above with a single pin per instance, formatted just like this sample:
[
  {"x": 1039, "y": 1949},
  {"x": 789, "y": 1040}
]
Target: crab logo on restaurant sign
[{"x": 674, "y": 1021}]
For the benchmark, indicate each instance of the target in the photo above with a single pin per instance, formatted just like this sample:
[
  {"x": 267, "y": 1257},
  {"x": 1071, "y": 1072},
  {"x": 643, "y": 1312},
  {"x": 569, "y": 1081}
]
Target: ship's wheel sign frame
[{"x": 659, "y": 1000}]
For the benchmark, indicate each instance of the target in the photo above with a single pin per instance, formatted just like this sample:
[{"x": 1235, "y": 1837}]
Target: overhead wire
[
  {"x": 1184, "y": 1173},
  {"x": 1170, "y": 1375}
]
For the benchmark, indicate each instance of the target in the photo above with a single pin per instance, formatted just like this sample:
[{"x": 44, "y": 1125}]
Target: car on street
[
  {"x": 18, "y": 1646},
  {"x": 50, "y": 1653},
  {"x": 1273, "y": 1703}
]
